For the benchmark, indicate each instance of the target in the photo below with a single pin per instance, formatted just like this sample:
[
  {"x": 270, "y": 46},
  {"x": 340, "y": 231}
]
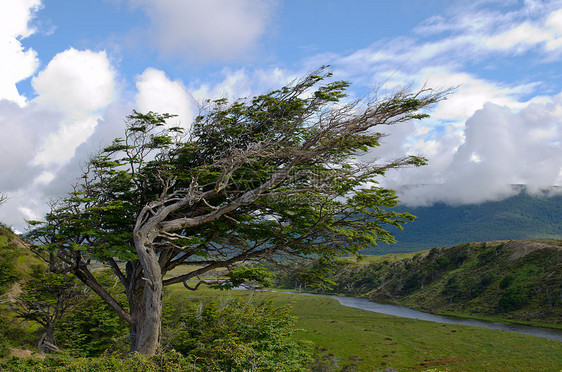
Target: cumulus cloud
[
  {"x": 21, "y": 63},
  {"x": 80, "y": 84},
  {"x": 76, "y": 81},
  {"x": 39, "y": 137},
  {"x": 159, "y": 94},
  {"x": 203, "y": 30},
  {"x": 501, "y": 147}
]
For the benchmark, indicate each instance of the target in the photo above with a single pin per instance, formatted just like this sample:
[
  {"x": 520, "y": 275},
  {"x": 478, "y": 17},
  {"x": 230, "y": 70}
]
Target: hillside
[
  {"x": 15, "y": 260},
  {"x": 523, "y": 216},
  {"x": 519, "y": 280},
  {"x": 15, "y": 266}
]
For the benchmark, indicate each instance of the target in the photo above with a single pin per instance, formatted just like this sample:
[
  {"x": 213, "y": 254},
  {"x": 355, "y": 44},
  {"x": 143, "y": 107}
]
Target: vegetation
[
  {"x": 10, "y": 253},
  {"x": 344, "y": 339},
  {"x": 523, "y": 216},
  {"x": 515, "y": 280},
  {"x": 340, "y": 338},
  {"x": 234, "y": 335},
  {"x": 257, "y": 179},
  {"x": 90, "y": 327},
  {"x": 351, "y": 339},
  {"x": 44, "y": 299},
  {"x": 266, "y": 180}
]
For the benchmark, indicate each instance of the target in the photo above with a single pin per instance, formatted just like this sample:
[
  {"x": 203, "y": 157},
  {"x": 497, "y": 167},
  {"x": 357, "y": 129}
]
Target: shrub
[
  {"x": 236, "y": 335},
  {"x": 167, "y": 362},
  {"x": 514, "y": 298},
  {"x": 90, "y": 327},
  {"x": 4, "y": 347},
  {"x": 506, "y": 281}
]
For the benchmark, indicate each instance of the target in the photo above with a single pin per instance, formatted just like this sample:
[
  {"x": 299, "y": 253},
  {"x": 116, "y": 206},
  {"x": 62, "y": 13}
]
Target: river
[{"x": 405, "y": 312}]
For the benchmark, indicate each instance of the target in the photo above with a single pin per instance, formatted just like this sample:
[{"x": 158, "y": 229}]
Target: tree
[
  {"x": 44, "y": 299},
  {"x": 3, "y": 198},
  {"x": 90, "y": 327},
  {"x": 274, "y": 178}
]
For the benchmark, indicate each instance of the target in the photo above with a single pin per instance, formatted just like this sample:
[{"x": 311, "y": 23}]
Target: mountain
[{"x": 523, "y": 216}]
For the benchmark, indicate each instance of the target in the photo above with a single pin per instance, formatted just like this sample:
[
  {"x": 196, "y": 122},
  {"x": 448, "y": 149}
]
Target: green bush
[
  {"x": 62, "y": 363},
  {"x": 514, "y": 298},
  {"x": 506, "y": 281},
  {"x": 4, "y": 347},
  {"x": 90, "y": 327},
  {"x": 236, "y": 335}
]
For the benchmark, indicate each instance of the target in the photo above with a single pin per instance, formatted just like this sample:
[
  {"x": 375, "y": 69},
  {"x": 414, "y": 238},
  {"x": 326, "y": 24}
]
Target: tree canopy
[{"x": 277, "y": 178}]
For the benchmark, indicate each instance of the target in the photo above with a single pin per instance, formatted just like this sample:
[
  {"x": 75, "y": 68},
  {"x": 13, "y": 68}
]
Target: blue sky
[{"x": 72, "y": 70}]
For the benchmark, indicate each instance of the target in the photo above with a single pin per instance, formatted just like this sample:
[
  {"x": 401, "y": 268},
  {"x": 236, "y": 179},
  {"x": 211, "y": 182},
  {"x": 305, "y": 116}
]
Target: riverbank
[
  {"x": 460, "y": 315},
  {"x": 551, "y": 333}
]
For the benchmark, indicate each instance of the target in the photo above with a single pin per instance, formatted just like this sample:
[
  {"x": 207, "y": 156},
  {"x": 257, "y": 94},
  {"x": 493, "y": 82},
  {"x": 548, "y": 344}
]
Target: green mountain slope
[
  {"x": 15, "y": 260},
  {"x": 519, "y": 280},
  {"x": 522, "y": 216}
]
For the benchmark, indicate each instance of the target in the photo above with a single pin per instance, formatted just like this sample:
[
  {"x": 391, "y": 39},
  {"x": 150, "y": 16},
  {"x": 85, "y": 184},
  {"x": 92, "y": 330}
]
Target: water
[{"x": 405, "y": 312}]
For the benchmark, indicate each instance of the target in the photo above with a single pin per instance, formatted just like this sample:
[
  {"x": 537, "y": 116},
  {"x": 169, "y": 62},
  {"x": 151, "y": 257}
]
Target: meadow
[{"x": 353, "y": 339}]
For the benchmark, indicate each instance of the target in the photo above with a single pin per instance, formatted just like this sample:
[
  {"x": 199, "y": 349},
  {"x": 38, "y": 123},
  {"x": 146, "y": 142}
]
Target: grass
[{"x": 375, "y": 341}]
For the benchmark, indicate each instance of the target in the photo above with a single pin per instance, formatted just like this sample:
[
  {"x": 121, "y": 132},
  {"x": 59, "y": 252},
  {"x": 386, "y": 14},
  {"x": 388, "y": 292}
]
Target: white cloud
[
  {"x": 14, "y": 26},
  {"x": 80, "y": 84},
  {"x": 76, "y": 81},
  {"x": 159, "y": 94},
  {"x": 524, "y": 34},
  {"x": 501, "y": 147},
  {"x": 203, "y": 30}
]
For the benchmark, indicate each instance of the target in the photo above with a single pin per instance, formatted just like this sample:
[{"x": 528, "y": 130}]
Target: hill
[
  {"x": 523, "y": 216},
  {"x": 15, "y": 266},
  {"x": 518, "y": 280},
  {"x": 15, "y": 260}
]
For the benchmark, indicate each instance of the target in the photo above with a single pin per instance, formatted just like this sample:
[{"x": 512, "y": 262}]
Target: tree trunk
[
  {"x": 47, "y": 342},
  {"x": 145, "y": 302}
]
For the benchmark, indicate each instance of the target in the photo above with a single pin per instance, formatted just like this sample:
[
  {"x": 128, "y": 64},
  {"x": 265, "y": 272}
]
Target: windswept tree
[{"x": 275, "y": 178}]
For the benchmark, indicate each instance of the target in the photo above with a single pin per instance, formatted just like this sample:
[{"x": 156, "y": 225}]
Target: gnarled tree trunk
[{"x": 145, "y": 300}]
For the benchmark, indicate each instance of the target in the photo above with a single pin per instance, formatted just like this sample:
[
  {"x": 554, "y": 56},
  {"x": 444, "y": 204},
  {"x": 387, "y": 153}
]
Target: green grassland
[{"x": 369, "y": 341}]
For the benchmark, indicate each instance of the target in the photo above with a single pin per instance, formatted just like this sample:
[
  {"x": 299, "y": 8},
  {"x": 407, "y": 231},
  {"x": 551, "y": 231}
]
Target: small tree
[
  {"x": 44, "y": 299},
  {"x": 276, "y": 178}
]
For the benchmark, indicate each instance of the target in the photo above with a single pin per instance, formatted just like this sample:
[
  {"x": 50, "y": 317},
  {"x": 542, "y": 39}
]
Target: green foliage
[
  {"x": 514, "y": 298},
  {"x": 4, "y": 347},
  {"x": 169, "y": 362},
  {"x": 44, "y": 299},
  {"x": 45, "y": 296},
  {"x": 246, "y": 274},
  {"x": 8, "y": 275},
  {"x": 90, "y": 327},
  {"x": 236, "y": 335},
  {"x": 9, "y": 253}
]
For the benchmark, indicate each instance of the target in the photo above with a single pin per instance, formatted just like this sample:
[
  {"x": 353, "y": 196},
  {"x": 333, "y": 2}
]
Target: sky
[{"x": 72, "y": 70}]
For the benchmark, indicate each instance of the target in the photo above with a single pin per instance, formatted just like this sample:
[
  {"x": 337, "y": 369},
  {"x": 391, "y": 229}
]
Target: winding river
[{"x": 405, "y": 312}]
